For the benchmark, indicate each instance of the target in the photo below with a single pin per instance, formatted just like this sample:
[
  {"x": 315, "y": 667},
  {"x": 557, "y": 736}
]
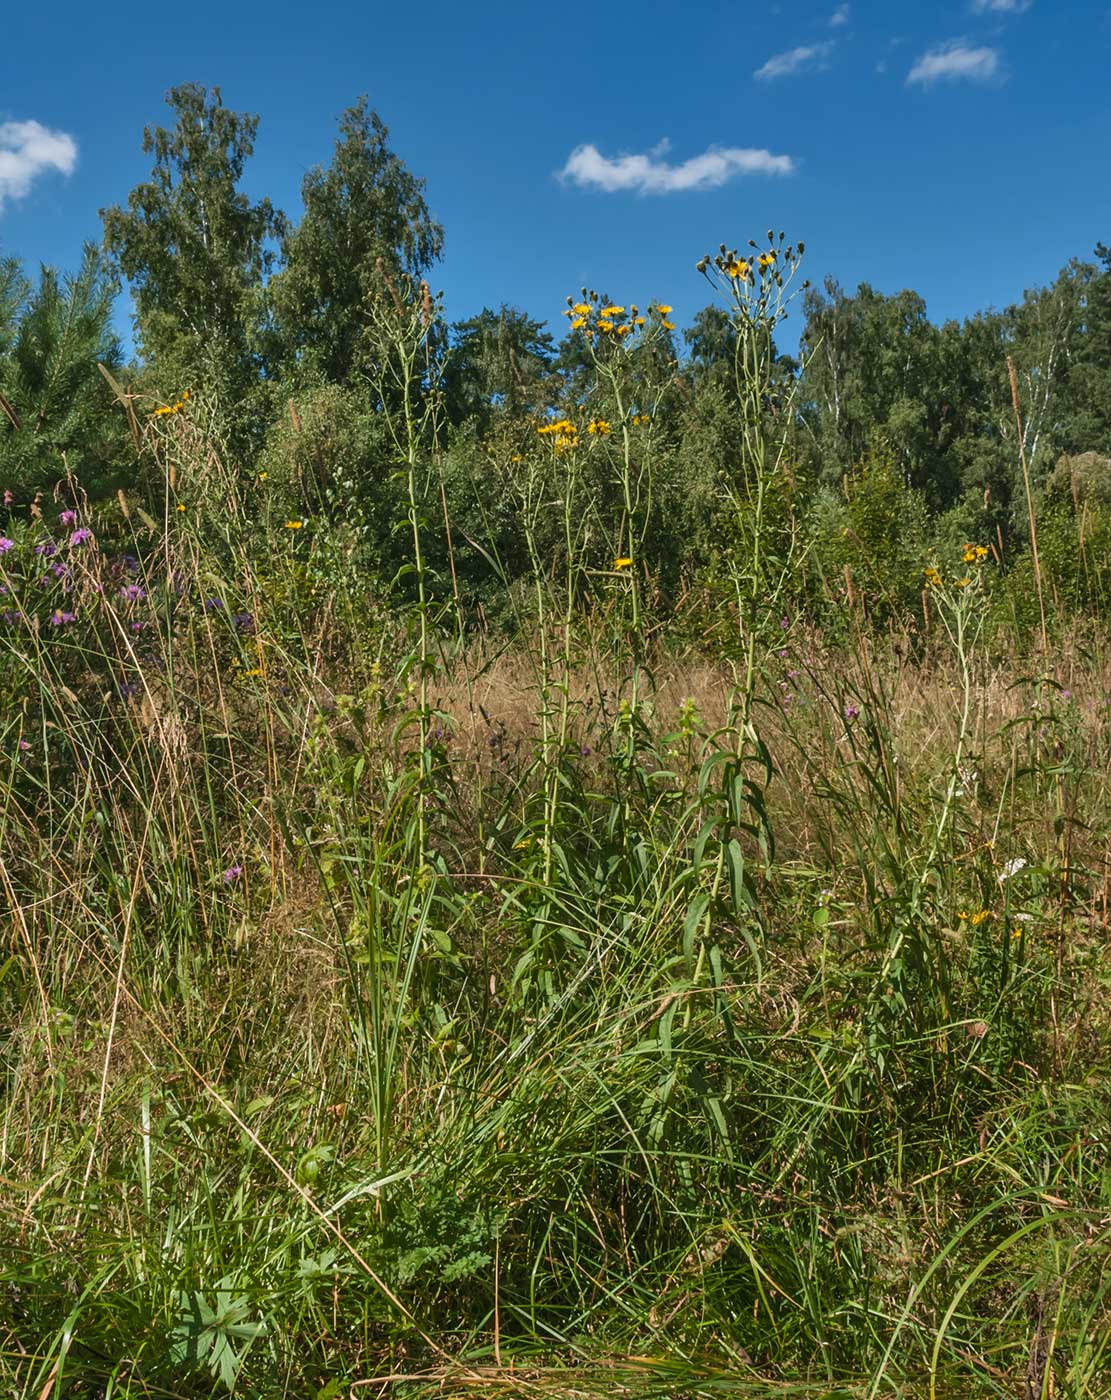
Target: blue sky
[{"x": 960, "y": 149}]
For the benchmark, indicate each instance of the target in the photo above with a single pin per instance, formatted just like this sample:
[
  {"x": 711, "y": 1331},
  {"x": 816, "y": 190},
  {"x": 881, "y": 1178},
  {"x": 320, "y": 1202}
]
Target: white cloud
[
  {"x": 26, "y": 150},
  {"x": 1001, "y": 7},
  {"x": 652, "y": 174},
  {"x": 786, "y": 65},
  {"x": 839, "y": 17},
  {"x": 955, "y": 61}
]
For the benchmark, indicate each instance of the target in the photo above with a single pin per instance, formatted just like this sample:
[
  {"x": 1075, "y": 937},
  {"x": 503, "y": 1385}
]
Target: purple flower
[
  {"x": 6, "y": 544},
  {"x": 1066, "y": 694},
  {"x": 137, "y": 626},
  {"x": 784, "y": 622},
  {"x": 58, "y": 618},
  {"x": 232, "y": 874},
  {"x": 851, "y": 712},
  {"x": 23, "y": 746},
  {"x": 59, "y": 570},
  {"x": 80, "y": 537},
  {"x": 47, "y": 549},
  {"x": 10, "y": 616},
  {"x": 128, "y": 689},
  {"x": 245, "y": 622},
  {"x": 68, "y": 517},
  {"x": 133, "y": 593},
  {"x": 8, "y": 497},
  {"x": 584, "y": 749},
  {"x": 213, "y": 604}
]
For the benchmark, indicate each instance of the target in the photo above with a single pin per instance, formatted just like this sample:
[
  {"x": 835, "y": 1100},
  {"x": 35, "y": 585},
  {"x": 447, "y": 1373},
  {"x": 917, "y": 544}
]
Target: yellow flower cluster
[
  {"x": 974, "y": 554},
  {"x": 563, "y": 433},
  {"x": 623, "y": 563},
  {"x": 639, "y": 418},
  {"x": 173, "y": 407},
  {"x": 981, "y": 916},
  {"x": 616, "y": 322},
  {"x": 933, "y": 578},
  {"x": 598, "y": 427}
]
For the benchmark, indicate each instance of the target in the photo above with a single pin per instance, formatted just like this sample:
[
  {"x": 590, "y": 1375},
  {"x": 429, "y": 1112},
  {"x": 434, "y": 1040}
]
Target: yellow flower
[
  {"x": 639, "y": 418},
  {"x": 766, "y": 260},
  {"x": 294, "y": 524},
  {"x": 980, "y": 917},
  {"x": 185, "y": 396},
  {"x": 963, "y": 582},
  {"x": 664, "y": 310},
  {"x": 612, "y": 311},
  {"x": 668, "y": 325},
  {"x": 639, "y": 321},
  {"x": 974, "y": 554},
  {"x": 604, "y": 326},
  {"x": 623, "y": 563},
  {"x": 577, "y": 322},
  {"x": 737, "y": 269},
  {"x": 181, "y": 508},
  {"x": 581, "y": 308},
  {"x": 598, "y": 427},
  {"x": 933, "y": 578},
  {"x": 255, "y": 671},
  {"x": 263, "y": 475},
  {"x": 623, "y": 330}
]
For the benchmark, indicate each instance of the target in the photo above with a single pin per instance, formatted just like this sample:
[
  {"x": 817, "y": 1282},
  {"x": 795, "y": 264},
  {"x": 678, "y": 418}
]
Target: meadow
[{"x": 622, "y": 985}]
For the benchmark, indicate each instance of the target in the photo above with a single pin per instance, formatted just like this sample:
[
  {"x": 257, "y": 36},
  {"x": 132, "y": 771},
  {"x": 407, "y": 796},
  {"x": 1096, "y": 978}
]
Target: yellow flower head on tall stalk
[
  {"x": 933, "y": 578},
  {"x": 612, "y": 311},
  {"x": 598, "y": 427},
  {"x": 578, "y": 323},
  {"x": 623, "y": 563},
  {"x": 766, "y": 260},
  {"x": 581, "y": 308},
  {"x": 974, "y": 554},
  {"x": 739, "y": 270},
  {"x": 664, "y": 310},
  {"x": 294, "y": 524},
  {"x": 668, "y": 325}
]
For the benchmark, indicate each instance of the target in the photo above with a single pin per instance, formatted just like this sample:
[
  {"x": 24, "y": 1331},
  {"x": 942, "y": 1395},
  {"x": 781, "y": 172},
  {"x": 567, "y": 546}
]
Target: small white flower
[{"x": 1012, "y": 868}]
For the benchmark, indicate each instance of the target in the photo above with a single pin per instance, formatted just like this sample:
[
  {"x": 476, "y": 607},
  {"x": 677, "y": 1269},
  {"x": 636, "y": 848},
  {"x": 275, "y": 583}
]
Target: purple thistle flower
[
  {"x": 68, "y": 517},
  {"x": 46, "y": 549},
  {"x": 133, "y": 593},
  {"x": 213, "y": 604},
  {"x": 80, "y": 537},
  {"x": 785, "y": 622},
  {"x": 58, "y": 618},
  {"x": 6, "y": 544},
  {"x": 244, "y": 622},
  {"x": 137, "y": 626},
  {"x": 59, "y": 570},
  {"x": 851, "y": 712},
  {"x": 232, "y": 874}
]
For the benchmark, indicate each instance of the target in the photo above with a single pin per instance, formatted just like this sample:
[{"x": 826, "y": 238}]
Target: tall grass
[{"x": 390, "y": 1008}]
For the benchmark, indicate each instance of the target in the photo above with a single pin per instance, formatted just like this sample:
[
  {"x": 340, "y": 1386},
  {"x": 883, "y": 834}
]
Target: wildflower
[
  {"x": 263, "y": 475},
  {"x": 181, "y": 509},
  {"x": 963, "y": 582},
  {"x": 23, "y": 746},
  {"x": 59, "y": 570},
  {"x": 739, "y": 270},
  {"x": 294, "y": 524},
  {"x": 8, "y": 497},
  {"x": 58, "y": 618},
  {"x": 47, "y": 549},
  {"x": 68, "y": 517},
  {"x": 598, "y": 427},
  {"x": 933, "y": 578},
  {"x": 974, "y": 554},
  {"x": 6, "y": 544},
  {"x": 244, "y": 622},
  {"x": 581, "y": 308},
  {"x": 132, "y": 593},
  {"x": 639, "y": 418},
  {"x": 80, "y": 536},
  {"x": 254, "y": 671},
  {"x": 213, "y": 604},
  {"x": 851, "y": 712},
  {"x": 612, "y": 311},
  {"x": 578, "y": 322},
  {"x": 623, "y": 563},
  {"x": 1012, "y": 868},
  {"x": 232, "y": 874},
  {"x": 664, "y": 310},
  {"x": 766, "y": 260}
]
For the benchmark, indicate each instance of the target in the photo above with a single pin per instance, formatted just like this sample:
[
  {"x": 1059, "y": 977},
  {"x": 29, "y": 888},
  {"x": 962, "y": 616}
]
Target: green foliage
[
  {"x": 195, "y": 250},
  {"x": 57, "y": 415},
  {"x": 365, "y": 220}
]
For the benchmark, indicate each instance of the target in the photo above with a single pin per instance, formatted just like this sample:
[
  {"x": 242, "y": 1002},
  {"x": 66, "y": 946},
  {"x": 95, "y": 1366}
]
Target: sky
[{"x": 960, "y": 149}]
